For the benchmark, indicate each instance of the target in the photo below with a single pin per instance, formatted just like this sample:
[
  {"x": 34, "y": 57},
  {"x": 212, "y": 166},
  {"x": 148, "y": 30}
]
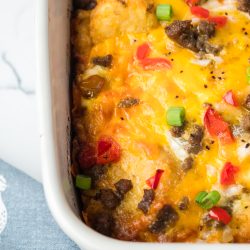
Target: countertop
[{"x": 19, "y": 137}]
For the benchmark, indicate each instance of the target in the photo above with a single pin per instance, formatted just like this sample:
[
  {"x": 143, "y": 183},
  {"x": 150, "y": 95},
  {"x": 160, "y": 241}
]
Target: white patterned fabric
[
  {"x": 29, "y": 225},
  {"x": 3, "y": 211}
]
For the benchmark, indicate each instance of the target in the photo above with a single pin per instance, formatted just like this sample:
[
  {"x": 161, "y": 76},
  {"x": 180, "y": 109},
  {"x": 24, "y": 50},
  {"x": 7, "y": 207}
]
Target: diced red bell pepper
[
  {"x": 153, "y": 181},
  {"x": 199, "y": 11},
  {"x": 143, "y": 51},
  {"x": 87, "y": 157},
  {"x": 192, "y": 2},
  {"x": 227, "y": 176},
  {"x": 155, "y": 63},
  {"x": 230, "y": 98},
  {"x": 108, "y": 150},
  {"x": 220, "y": 21},
  {"x": 220, "y": 214},
  {"x": 217, "y": 127}
]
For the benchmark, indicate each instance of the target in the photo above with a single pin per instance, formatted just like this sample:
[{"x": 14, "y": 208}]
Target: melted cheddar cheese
[{"x": 193, "y": 81}]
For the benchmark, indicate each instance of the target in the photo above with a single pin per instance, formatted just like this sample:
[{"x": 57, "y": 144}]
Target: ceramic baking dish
[{"x": 53, "y": 18}]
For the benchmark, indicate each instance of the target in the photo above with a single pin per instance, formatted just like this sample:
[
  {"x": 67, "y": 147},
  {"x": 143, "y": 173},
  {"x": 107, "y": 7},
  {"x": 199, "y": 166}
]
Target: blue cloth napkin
[{"x": 29, "y": 222}]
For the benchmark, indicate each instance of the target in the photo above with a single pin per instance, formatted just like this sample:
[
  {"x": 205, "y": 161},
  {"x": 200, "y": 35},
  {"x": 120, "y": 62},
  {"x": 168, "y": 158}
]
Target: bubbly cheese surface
[{"x": 118, "y": 28}]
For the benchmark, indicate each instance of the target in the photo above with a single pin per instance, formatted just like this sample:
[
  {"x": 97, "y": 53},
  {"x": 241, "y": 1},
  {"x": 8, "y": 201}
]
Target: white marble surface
[{"x": 19, "y": 137}]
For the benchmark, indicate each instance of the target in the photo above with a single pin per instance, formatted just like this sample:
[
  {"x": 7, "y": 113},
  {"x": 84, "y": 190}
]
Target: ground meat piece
[
  {"x": 195, "y": 139},
  {"x": 187, "y": 164},
  {"x": 85, "y": 4},
  {"x": 213, "y": 49},
  {"x": 105, "y": 61},
  {"x": 165, "y": 219},
  {"x": 123, "y": 186},
  {"x": 245, "y": 123},
  {"x": 128, "y": 102},
  {"x": 102, "y": 222},
  {"x": 206, "y": 28},
  {"x": 109, "y": 198},
  {"x": 96, "y": 172},
  {"x": 244, "y": 5},
  {"x": 194, "y": 148},
  {"x": 177, "y": 131},
  {"x": 147, "y": 200},
  {"x": 247, "y": 102},
  {"x": 196, "y": 135},
  {"x": 192, "y": 37},
  {"x": 184, "y": 33},
  {"x": 204, "y": 46},
  {"x": 184, "y": 203}
]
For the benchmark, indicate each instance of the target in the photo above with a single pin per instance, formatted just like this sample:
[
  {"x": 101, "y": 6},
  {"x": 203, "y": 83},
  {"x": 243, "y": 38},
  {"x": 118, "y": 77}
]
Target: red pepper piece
[
  {"x": 220, "y": 214},
  {"x": 199, "y": 11},
  {"x": 155, "y": 63},
  {"x": 153, "y": 181},
  {"x": 230, "y": 98},
  {"x": 108, "y": 150},
  {"x": 228, "y": 174},
  {"x": 220, "y": 21},
  {"x": 217, "y": 127},
  {"x": 192, "y": 2},
  {"x": 87, "y": 157},
  {"x": 104, "y": 146},
  {"x": 143, "y": 51}
]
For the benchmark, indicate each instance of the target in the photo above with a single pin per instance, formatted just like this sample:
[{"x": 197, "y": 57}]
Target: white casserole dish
[{"x": 53, "y": 18}]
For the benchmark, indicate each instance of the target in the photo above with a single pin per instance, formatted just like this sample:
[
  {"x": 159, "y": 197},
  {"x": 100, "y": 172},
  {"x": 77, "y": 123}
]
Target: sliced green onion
[
  {"x": 83, "y": 182},
  {"x": 248, "y": 75},
  {"x": 207, "y": 200},
  {"x": 176, "y": 116},
  {"x": 211, "y": 199},
  {"x": 214, "y": 196},
  {"x": 164, "y": 12},
  {"x": 200, "y": 196}
]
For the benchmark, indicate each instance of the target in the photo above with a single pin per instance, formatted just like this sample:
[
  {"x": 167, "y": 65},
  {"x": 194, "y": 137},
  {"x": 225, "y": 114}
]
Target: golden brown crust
[{"x": 119, "y": 106}]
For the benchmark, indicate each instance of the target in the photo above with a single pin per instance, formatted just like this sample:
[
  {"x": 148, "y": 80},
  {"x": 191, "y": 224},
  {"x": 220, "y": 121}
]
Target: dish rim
[{"x": 52, "y": 183}]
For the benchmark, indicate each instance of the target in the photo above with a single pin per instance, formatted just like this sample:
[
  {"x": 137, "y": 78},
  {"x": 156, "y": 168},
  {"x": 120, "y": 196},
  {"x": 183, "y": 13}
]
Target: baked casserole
[{"x": 161, "y": 118}]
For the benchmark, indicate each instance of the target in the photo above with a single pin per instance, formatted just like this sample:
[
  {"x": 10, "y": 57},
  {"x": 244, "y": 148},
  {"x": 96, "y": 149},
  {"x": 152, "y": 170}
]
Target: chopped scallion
[
  {"x": 207, "y": 200},
  {"x": 164, "y": 12},
  {"x": 199, "y": 198},
  {"x": 248, "y": 75},
  {"x": 176, "y": 116},
  {"x": 83, "y": 182}
]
